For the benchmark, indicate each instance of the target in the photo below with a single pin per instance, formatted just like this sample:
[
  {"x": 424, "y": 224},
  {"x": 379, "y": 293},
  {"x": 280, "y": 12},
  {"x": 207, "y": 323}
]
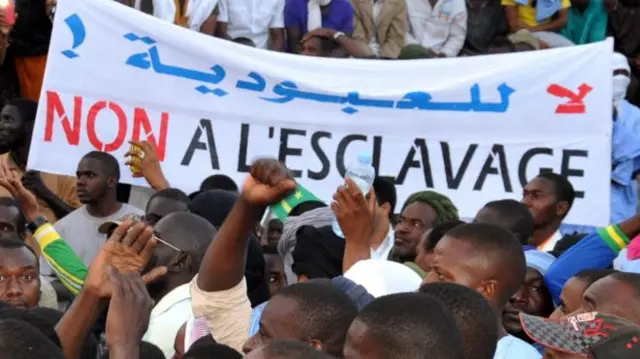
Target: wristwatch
[
  {"x": 338, "y": 34},
  {"x": 37, "y": 223}
]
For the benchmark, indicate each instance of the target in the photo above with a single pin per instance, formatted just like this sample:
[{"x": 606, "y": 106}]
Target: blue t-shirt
[{"x": 339, "y": 16}]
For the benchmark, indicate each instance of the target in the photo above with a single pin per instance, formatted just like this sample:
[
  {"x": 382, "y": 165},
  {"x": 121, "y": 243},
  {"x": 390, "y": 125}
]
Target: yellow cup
[{"x": 134, "y": 169}]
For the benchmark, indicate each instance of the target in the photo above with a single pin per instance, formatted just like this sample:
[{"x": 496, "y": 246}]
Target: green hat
[
  {"x": 282, "y": 209},
  {"x": 415, "y": 51},
  {"x": 441, "y": 204}
]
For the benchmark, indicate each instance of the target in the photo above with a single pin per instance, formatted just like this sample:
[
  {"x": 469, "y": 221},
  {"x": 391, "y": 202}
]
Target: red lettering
[
  {"x": 54, "y": 105},
  {"x": 575, "y": 103},
  {"x": 141, "y": 122},
  {"x": 91, "y": 126},
  {"x": 72, "y": 128}
]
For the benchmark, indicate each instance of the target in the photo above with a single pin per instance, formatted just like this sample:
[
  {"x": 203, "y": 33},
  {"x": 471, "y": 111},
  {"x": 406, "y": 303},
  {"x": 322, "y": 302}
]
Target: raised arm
[
  {"x": 128, "y": 238},
  {"x": 224, "y": 262},
  {"x": 148, "y": 164},
  {"x": 362, "y": 221},
  {"x": 595, "y": 251},
  {"x": 129, "y": 313},
  {"x": 219, "y": 290}
]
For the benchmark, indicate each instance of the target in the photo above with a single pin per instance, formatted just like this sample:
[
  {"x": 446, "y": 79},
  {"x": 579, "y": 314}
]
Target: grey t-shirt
[{"x": 80, "y": 230}]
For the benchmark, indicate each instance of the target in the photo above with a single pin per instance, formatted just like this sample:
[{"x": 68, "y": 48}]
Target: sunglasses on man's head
[
  {"x": 156, "y": 236},
  {"x": 160, "y": 240}
]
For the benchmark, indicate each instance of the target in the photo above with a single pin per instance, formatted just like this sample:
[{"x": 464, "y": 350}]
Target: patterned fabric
[
  {"x": 196, "y": 329},
  {"x": 598, "y": 335},
  {"x": 614, "y": 238},
  {"x": 65, "y": 263}
]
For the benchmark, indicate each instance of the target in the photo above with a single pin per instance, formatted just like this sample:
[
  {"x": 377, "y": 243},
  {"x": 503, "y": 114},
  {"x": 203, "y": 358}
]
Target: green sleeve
[{"x": 69, "y": 268}]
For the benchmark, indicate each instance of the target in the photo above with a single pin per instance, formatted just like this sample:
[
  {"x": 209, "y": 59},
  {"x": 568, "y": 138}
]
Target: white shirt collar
[
  {"x": 172, "y": 298},
  {"x": 550, "y": 243},
  {"x": 382, "y": 252}
]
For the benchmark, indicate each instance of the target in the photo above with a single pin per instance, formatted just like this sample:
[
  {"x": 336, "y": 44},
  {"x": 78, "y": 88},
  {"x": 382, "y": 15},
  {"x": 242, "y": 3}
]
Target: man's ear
[
  {"x": 386, "y": 207},
  {"x": 488, "y": 289},
  {"x": 112, "y": 182},
  {"x": 180, "y": 262},
  {"x": 562, "y": 208}
]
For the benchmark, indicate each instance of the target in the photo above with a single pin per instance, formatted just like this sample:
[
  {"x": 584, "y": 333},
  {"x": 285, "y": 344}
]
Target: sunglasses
[{"x": 160, "y": 240}]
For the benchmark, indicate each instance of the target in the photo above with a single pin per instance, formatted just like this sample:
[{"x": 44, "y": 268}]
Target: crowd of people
[
  {"x": 377, "y": 29},
  {"x": 201, "y": 275},
  {"x": 86, "y": 275}
]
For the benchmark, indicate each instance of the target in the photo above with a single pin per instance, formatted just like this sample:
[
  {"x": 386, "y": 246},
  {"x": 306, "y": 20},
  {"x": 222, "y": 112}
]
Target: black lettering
[
  {"x": 342, "y": 148},
  {"x": 322, "y": 156},
  {"x": 526, "y": 158},
  {"x": 488, "y": 169},
  {"x": 285, "y": 150},
  {"x": 244, "y": 143},
  {"x": 453, "y": 181},
  {"x": 567, "y": 171},
  {"x": 410, "y": 162},
  {"x": 377, "y": 150},
  {"x": 196, "y": 144}
]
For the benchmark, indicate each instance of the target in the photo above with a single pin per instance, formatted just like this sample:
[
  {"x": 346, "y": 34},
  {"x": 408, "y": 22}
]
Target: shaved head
[
  {"x": 191, "y": 235},
  {"x": 487, "y": 250}
]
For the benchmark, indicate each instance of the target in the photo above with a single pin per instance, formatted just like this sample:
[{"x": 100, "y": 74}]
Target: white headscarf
[
  {"x": 620, "y": 82},
  {"x": 314, "y": 16},
  {"x": 382, "y": 277}
]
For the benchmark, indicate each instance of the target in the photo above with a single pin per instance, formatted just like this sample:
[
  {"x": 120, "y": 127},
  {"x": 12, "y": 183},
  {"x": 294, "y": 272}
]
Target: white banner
[{"x": 476, "y": 129}]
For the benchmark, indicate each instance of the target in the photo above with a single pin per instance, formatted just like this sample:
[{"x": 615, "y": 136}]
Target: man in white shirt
[
  {"x": 489, "y": 259},
  {"x": 188, "y": 236},
  {"x": 439, "y": 25},
  {"x": 261, "y": 21}
]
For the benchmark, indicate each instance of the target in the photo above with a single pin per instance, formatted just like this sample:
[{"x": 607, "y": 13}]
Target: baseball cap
[
  {"x": 600, "y": 336},
  {"x": 107, "y": 226}
]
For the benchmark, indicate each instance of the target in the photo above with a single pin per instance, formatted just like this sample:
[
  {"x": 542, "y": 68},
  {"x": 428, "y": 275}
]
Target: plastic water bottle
[{"x": 362, "y": 174}]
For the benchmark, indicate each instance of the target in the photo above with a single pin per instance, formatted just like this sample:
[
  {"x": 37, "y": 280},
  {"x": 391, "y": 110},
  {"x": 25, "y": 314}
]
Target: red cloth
[{"x": 633, "y": 249}]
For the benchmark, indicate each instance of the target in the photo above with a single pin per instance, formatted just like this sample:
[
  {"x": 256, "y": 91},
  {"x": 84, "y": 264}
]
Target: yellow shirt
[{"x": 527, "y": 13}]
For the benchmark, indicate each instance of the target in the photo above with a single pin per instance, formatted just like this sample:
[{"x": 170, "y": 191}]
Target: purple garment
[{"x": 339, "y": 17}]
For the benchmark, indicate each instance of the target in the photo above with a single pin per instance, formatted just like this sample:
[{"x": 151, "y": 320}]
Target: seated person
[
  {"x": 536, "y": 15},
  {"x": 380, "y": 26},
  {"x": 262, "y": 22},
  {"x": 587, "y": 21},
  {"x": 201, "y": 18},
  {"x": 331, "y": 43},
  {"x": 624, "y": 27},
  {"x": 302, "y": 16},
  {"x": 317, "y": 46},
  {"x": 441, "y": 27},
  {"x": 485, "y": 22}
]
